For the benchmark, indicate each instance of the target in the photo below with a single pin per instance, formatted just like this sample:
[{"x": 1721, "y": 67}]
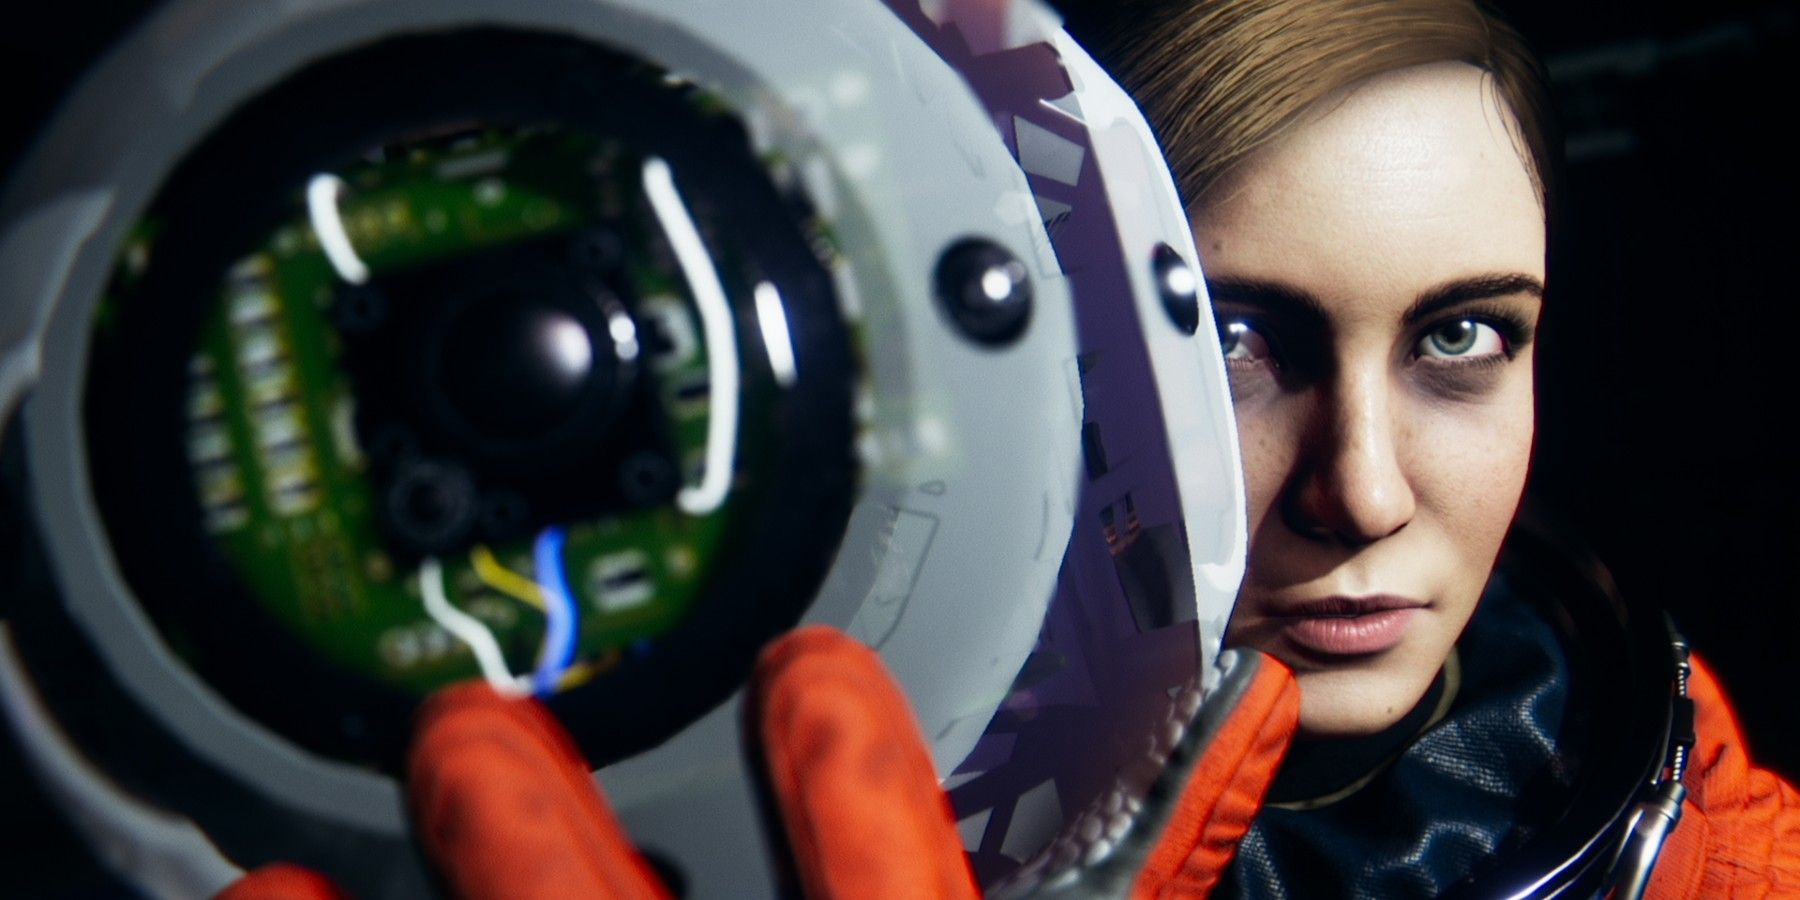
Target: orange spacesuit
[
  {"x": 504, "y": 806},
  {"x": 1740, "y": 825}
]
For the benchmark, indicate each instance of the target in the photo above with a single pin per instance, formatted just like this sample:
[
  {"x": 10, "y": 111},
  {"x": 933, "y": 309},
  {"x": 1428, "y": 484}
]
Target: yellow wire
[
  {"x": 504, "y": 580},
  {"x": 585, "y": 670}
]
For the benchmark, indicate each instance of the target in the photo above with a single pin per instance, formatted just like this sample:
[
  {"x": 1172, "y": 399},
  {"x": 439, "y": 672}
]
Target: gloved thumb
[
  {"x": 506, "y": 807},
  {"x": 848, "y": 774}
]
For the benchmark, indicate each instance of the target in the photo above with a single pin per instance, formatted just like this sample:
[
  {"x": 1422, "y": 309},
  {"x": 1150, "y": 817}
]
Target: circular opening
[{"x": 471, "y": 371}]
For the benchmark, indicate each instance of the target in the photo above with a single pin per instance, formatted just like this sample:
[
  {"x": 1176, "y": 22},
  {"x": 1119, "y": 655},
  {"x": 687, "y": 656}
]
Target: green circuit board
[{"x": 282, "y": 474}]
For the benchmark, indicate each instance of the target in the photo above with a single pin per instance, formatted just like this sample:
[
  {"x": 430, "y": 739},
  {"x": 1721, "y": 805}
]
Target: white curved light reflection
[
  {"x": 771, "y": 317},
  {"x": 721, "y": 339}
]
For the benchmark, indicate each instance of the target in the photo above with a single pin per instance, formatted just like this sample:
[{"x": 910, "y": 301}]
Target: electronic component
[
  {"x": 502, "y": 360},
  {"x": 584, "y": 346}
]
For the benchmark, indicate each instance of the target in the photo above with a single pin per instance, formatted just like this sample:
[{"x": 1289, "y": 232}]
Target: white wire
[
  {"x": 721, "y": 340},
  {"x": 322, "y": 194},
  {"x": 466, "y": 628}
]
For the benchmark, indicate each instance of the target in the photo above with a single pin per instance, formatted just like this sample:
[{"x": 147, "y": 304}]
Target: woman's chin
[{"x": 1336, "y": 703}]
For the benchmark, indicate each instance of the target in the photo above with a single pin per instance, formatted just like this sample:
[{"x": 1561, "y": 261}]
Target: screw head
[
  {"x": 429, "y": 505},
  {"x": 985, "y": 290},
  {"x": 597, "y": 251},
  {"x": 646, "y": 479},
  {"x": 1178, "y": 285},
  {"x": 358, "y": 310}
]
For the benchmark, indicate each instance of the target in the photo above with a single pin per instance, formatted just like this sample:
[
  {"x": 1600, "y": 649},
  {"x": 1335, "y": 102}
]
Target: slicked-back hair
[{"x": 1221, "y": 79}]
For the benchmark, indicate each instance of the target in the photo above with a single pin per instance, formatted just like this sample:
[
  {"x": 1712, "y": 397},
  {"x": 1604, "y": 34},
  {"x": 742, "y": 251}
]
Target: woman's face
[{"x": 1377, "y": 277}]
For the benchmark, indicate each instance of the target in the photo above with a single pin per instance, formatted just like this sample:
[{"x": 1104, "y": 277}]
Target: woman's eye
[
  {"x": 1242, "y": 344},
  {"x": 1461, "y": 339}
]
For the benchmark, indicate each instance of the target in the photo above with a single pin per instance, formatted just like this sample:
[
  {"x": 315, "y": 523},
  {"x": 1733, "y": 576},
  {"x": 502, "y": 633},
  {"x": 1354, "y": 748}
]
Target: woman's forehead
[{"x": 1409, "y": 179}]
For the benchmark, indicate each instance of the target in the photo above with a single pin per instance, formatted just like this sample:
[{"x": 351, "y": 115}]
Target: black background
[
  {"x": 1669, "y": 368},
  {"x": 1667, "y": 394}
]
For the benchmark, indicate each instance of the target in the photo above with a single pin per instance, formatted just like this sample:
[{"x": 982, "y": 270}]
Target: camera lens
[{"x": 515, "y": 367}]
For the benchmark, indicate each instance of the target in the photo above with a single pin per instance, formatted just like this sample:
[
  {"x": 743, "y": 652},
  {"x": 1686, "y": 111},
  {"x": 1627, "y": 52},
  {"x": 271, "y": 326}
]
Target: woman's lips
[{"x": 1348, "y": 626}]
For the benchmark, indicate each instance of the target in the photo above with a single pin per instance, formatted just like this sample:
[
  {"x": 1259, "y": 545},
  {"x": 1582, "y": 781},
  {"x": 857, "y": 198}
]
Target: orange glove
[{"x": 505, "y": 804}]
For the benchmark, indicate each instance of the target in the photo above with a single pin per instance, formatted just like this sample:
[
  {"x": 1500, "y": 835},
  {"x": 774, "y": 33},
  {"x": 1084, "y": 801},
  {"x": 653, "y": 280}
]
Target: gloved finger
[
  {"x": 505, "y": 806},
  {"x": 847, "y": 768},
  {"x": 282, "y": 881},
  {"x": 1229, "y": 756}
]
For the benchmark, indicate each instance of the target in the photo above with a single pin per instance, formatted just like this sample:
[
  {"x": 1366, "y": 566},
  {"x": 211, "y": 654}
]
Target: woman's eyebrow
[
  {"x": 1463, "y": 290},
  {"x": 1274, "y": 297}
]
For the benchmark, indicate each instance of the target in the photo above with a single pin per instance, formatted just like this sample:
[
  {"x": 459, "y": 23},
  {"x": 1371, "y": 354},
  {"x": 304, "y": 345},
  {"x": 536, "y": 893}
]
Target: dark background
[
  {"x": 1669, "y": 363},
  {"x": 1666, "y": 392}
]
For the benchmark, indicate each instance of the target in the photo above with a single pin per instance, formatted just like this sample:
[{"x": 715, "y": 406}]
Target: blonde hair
[{"x": 1221, "y": 79}]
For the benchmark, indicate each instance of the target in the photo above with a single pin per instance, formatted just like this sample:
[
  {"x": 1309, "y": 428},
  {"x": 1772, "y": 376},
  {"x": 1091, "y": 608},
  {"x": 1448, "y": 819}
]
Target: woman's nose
[{"x": 1352, "y": 485}]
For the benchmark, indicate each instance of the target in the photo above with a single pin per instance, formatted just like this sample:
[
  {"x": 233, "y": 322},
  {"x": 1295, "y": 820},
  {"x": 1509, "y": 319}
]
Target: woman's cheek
[
  {"x": 1268, "y": 445},
  {"x": 1471, "y": 458}
]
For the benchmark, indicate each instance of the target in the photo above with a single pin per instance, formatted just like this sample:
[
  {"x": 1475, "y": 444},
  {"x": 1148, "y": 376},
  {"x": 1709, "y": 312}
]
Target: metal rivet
[
  {"x": 430, "y": 505},
  {"x": 985, "y": 289},
  {"x": 596, "y": 251},
  {"x": 1178, "y": 284},
  {"x": 358, "y": 310}
]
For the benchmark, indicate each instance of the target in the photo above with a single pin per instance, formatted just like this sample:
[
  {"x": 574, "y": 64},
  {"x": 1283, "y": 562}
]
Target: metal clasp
[{"x": 1655, "y": 817}]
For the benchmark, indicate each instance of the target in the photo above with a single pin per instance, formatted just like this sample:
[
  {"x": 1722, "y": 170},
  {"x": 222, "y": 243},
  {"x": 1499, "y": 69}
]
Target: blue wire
[{"x": 559, "y": 633}]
